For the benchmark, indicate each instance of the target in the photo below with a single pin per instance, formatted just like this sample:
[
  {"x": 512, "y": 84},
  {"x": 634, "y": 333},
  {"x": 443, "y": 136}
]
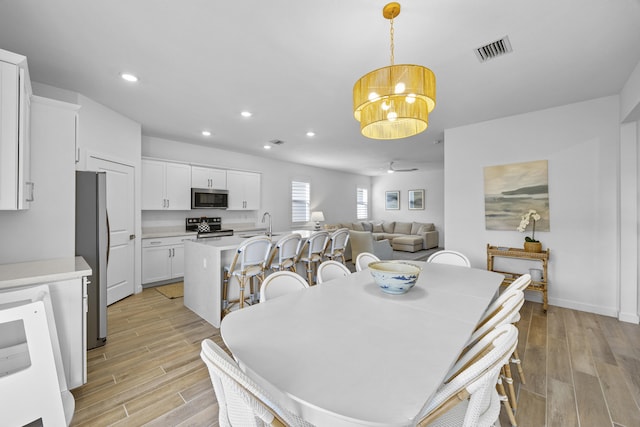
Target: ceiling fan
[{"x": 392, "y": 170}]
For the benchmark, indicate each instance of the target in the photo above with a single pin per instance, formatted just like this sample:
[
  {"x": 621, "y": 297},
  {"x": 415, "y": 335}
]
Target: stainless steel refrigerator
[{"x": 92, "y": 243}]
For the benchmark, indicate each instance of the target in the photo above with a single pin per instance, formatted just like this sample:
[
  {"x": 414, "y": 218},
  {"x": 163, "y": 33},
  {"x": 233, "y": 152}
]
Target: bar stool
[
  {"x": 337, "y": 244},
  {"x": 312, "y": 252},
  {"x": 248, "y": 263},
  {"x": 33, "y": 384},
  {"x": 285, "y": 253}
]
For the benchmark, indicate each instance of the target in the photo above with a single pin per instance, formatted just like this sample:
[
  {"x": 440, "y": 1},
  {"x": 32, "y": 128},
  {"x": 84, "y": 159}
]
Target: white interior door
[{"x": 121, "y": 215}]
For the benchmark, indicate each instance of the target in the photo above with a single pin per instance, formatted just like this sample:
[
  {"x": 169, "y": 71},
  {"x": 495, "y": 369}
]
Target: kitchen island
[{"x": 204, "y": 261}]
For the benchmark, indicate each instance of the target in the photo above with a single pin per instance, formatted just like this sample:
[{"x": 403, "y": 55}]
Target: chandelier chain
[{"x": 391, "y": 34}]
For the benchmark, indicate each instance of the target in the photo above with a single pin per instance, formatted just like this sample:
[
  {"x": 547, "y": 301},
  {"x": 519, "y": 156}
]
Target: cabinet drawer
[{"x": 166, "y": 241}]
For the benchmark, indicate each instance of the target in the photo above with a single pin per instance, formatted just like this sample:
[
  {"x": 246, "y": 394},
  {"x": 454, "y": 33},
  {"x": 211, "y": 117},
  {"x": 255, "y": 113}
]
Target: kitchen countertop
[
  {"x": 50, "y": 270},
  {"x": 156, "y": 232}
]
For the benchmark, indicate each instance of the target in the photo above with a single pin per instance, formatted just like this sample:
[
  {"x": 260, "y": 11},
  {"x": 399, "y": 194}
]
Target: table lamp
[{"x": 317, "y": 216}]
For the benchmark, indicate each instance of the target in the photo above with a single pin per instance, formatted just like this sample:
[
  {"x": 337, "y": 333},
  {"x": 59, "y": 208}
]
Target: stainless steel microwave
[{"x": 207, "y": 198}]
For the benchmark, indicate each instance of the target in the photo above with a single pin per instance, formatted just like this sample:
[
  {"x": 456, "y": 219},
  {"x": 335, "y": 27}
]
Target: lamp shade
[
  {"x": 317, "y": 216},
  {"x": 394, "y": 102}
]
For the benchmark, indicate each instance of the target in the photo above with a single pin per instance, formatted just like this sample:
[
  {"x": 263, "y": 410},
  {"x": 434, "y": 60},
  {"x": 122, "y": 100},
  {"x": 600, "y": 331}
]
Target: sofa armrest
[
  {"x": 382, "y": 249},
  {"x": 430, "y": 239}
]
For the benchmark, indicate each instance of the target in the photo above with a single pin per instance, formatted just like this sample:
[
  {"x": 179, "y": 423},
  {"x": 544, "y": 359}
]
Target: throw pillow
[
  {"x": 367, "y": 226},
  {"x": 415, "y": 227},
  {"x": 358, "y": 226},
  {"x": 387, "y": 227},
  {"x": 377, "y": 228},
  {"x": 402, "y": 228}
]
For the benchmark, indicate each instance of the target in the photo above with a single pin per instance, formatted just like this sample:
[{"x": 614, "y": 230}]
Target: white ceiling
[{"x": 293, "y": 64}]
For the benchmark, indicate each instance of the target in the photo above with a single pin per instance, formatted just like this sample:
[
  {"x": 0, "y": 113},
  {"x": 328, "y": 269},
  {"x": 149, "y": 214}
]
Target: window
[
  {"x": 300, "y": 201},
  {"x": 362, "y": 203}
]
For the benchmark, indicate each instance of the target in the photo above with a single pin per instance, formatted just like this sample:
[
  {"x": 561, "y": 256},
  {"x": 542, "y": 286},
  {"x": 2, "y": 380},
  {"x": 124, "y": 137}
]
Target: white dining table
[{"x": 343, "y": 353}]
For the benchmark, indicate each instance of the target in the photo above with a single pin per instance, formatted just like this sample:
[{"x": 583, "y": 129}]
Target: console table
[{"x": 519, "y": 253}]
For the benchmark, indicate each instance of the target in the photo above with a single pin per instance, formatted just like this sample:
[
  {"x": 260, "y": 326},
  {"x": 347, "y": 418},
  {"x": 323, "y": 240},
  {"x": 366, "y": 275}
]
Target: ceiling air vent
[
  {"x": 277, "y": 141},
  {"x": 494, "y": 49}
]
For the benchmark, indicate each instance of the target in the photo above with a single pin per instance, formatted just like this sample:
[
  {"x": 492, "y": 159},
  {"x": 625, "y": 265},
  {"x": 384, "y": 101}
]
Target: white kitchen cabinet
[
  {"x": 16, "y": 189},
  {"x": 202, "y": 177},
  {"x": 165, "y": 185},
  {"x": 163, "y": 258},
  {"x": 244, "y": 190},
  {"x": 65, "y": 278}
]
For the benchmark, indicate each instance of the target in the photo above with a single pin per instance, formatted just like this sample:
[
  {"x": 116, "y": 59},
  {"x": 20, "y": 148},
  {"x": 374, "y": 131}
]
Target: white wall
[
  {"x": 332, "y": 192},
  {"x": 109, "y": 135},
  {"x": 581, "y": 143},
  {"x": 431, "y": 181},
  {"x": 47, "y": 229}
]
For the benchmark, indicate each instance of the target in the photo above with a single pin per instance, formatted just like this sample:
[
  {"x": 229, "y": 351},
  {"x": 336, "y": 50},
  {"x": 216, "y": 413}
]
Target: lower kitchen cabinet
[
  {"x": 163, "y": 258},
  {"x": 69, "y": 303}
]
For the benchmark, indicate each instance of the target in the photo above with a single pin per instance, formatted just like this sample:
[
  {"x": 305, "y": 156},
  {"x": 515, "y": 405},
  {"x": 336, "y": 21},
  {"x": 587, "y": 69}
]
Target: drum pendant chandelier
[{"x": 394, "y": 102}]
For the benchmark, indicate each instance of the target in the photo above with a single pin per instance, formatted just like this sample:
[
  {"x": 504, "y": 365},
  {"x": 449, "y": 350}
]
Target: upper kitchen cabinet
[
  {"x": 244, "y": 190},
  {"x": 16, "y": 190},
  {"x": 165, "y": 185},
  {"x": 202, "y": 177}
]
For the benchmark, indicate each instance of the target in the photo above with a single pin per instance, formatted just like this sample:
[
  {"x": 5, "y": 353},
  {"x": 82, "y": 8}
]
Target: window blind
[
  {"x": 362, "y": 204},
  {"x": 300, "y": 201}
]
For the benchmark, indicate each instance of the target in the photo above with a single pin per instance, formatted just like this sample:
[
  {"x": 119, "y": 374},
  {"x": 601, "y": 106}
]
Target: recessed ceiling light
[
  {"x": 246, "y": 114},
  {"x": 129, "y": 77},
  {"x": 267, "y": 147},
  {"x": 206, "y": 133},
  {"x": 311, "y": 133}
]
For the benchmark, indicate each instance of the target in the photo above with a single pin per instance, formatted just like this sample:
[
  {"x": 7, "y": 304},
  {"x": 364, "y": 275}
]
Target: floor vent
[{"x": 494, "y": 49}]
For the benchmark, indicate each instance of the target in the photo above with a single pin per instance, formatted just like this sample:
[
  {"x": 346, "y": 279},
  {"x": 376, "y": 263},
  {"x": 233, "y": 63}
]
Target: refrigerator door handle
[{"x": 108, "y": 238}]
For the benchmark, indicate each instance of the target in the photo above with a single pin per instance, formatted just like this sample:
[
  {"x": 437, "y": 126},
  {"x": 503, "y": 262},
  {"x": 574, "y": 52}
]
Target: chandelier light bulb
[
  {"x": 411, "y": 98},
  {"x": 392, "y": 116},
  {"x": 385, "y": 106},
  {"x": 373, "y": 96},
  {"x": 400, "y": 87}
]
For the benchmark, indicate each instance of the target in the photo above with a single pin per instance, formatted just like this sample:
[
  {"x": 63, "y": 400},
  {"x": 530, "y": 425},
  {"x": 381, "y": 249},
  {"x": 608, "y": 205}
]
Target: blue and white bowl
[{"x": 394, "y": 277}]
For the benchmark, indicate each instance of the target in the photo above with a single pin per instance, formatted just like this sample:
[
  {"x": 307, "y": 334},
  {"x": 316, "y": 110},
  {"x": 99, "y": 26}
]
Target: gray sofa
[{"x": 403, "y": 236}]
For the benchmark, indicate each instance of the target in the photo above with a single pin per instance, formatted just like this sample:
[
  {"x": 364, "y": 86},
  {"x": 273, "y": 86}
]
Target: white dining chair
[
  {"x": 242, "y": 402},
  {"x": 468, "y": 397},
  {"x": 504, "y": 314},
  {"x": 518, "y": 285},
  {"x": 449, "y": 257},
  {"x": 285, "y": 252},
  {"x": 280, "y": 283},
  {"x": 248, "y": 264},
  {"x": 32, "y": 378},
  {"x": 329, "y": 270},
  {"x": 363, "y": 259}
]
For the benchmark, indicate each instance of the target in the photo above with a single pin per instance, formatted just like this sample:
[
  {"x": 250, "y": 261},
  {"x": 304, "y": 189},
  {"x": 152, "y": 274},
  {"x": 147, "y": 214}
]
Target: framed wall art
[
  {"x": 510, "y": 191},
  {"x": 416, "y": 199},
  {"x": 392, "y": 200}
]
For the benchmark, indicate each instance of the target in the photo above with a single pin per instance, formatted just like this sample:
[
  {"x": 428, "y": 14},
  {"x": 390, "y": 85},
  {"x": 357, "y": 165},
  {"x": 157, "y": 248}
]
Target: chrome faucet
[{"x": 270, "y": 231}]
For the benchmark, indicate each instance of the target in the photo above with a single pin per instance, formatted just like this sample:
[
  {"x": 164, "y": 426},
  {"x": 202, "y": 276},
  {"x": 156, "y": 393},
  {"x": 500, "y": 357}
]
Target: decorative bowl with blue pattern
[{"x": 394, "y": 277}]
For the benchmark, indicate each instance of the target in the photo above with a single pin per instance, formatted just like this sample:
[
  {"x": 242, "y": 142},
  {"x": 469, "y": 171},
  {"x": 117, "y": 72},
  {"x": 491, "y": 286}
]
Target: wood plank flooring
[{"x": 581, "y": 369}]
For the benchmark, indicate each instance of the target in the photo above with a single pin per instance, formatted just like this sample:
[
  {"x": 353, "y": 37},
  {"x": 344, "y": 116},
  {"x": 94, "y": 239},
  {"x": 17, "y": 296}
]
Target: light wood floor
[{"x": 581, "y": 369}]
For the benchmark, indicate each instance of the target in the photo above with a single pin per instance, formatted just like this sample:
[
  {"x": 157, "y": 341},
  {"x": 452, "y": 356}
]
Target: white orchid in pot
[{"x": 530, "y": 243}]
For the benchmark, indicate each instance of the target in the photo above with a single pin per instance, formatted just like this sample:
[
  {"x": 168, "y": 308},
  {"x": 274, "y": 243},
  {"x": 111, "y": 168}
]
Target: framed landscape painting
[
  {"x": 416, "y": 199},
  {"x": 392, "y": 200},
  {"x": 510, "y": 191}
]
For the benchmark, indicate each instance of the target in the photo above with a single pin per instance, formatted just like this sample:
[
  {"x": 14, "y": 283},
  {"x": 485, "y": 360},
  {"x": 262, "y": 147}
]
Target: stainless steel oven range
[{"x": 207, "y": 227}]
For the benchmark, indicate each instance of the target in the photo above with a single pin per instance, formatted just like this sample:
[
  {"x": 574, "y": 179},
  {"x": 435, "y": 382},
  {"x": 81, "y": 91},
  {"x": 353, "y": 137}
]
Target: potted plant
[{"x": 530, "y": 243}]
